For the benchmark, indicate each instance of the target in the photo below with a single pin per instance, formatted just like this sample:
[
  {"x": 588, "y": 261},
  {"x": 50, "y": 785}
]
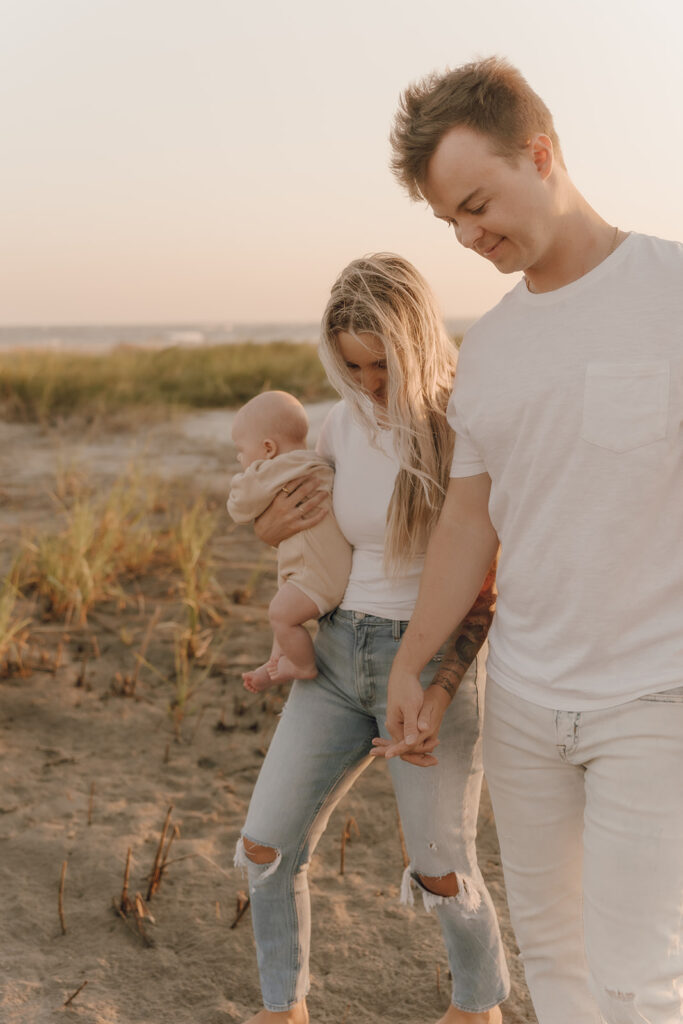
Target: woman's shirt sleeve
[{"x": 325, "y": 445}]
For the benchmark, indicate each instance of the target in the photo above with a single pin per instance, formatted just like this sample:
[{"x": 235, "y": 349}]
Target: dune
[{"x": 94, "y": 755}]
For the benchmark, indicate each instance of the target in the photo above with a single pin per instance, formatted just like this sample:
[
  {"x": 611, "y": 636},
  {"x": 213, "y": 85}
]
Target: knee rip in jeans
[
  {"x": 265, "y": 859},
  {"x": 437, "y": 890}
]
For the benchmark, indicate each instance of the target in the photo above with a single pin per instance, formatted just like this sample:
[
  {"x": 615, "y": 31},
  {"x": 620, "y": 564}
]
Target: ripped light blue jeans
[{"x": 320, "y": 747}]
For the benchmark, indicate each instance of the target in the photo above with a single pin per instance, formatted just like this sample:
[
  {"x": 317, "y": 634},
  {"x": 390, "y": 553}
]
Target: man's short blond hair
[{"x": 489, "y": 96}]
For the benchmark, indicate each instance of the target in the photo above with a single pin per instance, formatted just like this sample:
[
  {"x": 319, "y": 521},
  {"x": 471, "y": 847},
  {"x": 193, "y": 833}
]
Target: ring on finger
[{"x": 285, "y": 489}]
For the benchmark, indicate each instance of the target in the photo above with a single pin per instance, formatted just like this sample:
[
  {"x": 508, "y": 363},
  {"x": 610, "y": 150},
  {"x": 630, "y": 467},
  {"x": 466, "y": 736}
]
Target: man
[{"x": 567, "y": 408}]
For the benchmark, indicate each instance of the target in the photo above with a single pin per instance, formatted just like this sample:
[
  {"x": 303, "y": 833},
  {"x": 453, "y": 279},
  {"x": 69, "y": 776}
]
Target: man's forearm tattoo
[
  {"x": 461, "y": 651},
  {"x": 468, "y": 644},
  {"x": 467, "y": 639},
  {"x": 449, "y": 685}
]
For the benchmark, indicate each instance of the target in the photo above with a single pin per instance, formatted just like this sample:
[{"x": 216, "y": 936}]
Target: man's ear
[
  {"x": 542, "y": 154},
  {"x": 270, "y": 447}
]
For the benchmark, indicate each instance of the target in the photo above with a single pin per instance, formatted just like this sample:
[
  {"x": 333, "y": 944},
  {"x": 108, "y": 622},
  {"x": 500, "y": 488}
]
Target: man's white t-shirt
[
  {"x": 572, "y": 402},
  {"x": 364, "y": 479}
]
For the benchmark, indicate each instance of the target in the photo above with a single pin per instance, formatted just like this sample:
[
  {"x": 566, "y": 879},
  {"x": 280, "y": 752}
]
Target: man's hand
[
  {"x": 463, "y": 537},
  {"x": 413, "y": 719},
  {"x": 292, "y": 510}
]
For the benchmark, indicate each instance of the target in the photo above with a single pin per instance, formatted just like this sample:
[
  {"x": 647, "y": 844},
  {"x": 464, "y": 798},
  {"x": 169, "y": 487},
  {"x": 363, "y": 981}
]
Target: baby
[{"x": 269, "y": 433}]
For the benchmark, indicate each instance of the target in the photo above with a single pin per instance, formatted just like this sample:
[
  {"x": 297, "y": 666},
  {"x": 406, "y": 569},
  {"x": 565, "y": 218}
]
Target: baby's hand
[{"x": 296, "y": 507}]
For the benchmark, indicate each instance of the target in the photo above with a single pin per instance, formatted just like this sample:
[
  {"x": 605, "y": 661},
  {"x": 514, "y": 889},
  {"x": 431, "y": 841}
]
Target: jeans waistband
[{"x": 354, "y": 618}]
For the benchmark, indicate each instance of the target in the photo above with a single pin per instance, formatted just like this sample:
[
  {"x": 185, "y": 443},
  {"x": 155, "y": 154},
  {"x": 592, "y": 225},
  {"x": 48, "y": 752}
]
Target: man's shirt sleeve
[{"x": 466, "y": 458}]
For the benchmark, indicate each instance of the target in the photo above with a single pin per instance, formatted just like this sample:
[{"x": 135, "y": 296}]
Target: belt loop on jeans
[{"x": 395, "y": 629}]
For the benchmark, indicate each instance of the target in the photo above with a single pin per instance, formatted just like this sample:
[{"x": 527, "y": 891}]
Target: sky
[{"x": 214, "y": 161}]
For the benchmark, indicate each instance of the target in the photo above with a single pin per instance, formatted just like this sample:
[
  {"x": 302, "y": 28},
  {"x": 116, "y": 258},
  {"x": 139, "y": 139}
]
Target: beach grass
[
  {"x": 192, "y": 535},
  {"x": 104, "y": 539},
  {"x": 39, "y": 386},
  {"x": 11, "y": 626},
  {"x": 99, "y": 540}
]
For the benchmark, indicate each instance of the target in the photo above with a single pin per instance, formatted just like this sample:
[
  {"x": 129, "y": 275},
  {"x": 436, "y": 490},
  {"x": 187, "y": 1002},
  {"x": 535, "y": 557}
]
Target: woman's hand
[
  {"x": 296, "y": 507},
  {"x": 419, "y": 756},
  {"x": 413, "y": 718}
]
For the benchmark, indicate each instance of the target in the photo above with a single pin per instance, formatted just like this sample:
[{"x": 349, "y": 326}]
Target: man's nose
[{"x": 469, "y": 233}]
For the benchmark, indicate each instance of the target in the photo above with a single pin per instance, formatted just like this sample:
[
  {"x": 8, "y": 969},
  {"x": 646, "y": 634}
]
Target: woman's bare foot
[
  {"x": 295, "y": 1015},
  {"x": 258, "y": 680},
  {"x": 283, "y": 670},
  {"x": 455, "y": 1016}
]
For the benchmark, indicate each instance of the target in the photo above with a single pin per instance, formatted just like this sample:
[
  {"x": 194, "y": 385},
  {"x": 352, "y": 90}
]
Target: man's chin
[
  {"x": 504, "y": 259},
  {"x": 507, "y": 265}
]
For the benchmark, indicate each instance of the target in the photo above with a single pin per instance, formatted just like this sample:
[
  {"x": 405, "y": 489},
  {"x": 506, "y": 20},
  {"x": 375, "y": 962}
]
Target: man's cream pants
[{"x": 589, "y": 812}]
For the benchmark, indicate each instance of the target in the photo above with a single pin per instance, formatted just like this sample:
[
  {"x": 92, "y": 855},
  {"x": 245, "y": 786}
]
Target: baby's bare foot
[
  {"x": 285, "y": 670},
  {"x": 258, "y": 680}
]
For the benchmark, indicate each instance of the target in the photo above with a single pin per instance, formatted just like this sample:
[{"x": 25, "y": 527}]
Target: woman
[{"x": 386, "y": 353}]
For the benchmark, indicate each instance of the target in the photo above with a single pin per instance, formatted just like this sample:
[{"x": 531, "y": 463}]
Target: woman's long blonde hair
[{"x": 384, "y": 295}]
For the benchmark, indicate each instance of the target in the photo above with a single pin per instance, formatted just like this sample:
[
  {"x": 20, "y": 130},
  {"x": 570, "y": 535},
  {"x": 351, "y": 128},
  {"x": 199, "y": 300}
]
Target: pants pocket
[
  {"x": 625, "y": 405},
  {"x": 674, "y": 696}
]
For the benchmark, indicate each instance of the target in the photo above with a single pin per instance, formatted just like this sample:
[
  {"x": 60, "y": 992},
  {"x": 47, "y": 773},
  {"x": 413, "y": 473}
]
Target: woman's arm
[{"x": 296, "y": 507}]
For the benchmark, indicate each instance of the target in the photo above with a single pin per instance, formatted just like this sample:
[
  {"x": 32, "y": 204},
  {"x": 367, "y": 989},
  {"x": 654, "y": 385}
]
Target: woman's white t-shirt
[{"x": 365, "y": 473}]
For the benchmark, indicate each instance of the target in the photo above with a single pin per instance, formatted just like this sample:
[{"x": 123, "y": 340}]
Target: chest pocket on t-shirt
[{"x": 625, "y": 405}]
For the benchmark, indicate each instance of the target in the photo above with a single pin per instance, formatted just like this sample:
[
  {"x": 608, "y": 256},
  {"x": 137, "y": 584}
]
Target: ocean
[{"x": 102, "y": 337}]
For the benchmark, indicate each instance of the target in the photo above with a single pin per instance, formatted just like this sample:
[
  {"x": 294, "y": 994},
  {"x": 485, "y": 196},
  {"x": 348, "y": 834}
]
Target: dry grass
[
  {"x": 13, "y": 629},
  {"x": 46, "y": 386},
  {"x": 103, "y": 540},
  {"x": 190, "y": 552},
  {"x": 106, "y": 547}
]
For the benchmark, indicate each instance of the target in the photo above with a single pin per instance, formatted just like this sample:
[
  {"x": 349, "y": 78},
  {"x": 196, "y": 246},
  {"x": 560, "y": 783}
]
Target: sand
[{"x": 87, "y": 773}]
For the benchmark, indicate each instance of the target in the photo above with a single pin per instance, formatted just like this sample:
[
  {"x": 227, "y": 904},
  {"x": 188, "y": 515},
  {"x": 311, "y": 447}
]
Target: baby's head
[{"x": 268, "y": 425}]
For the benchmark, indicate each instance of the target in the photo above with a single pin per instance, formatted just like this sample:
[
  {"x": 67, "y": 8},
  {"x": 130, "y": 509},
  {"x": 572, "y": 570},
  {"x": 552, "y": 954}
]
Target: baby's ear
[{"x": 270, "y": 447}]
